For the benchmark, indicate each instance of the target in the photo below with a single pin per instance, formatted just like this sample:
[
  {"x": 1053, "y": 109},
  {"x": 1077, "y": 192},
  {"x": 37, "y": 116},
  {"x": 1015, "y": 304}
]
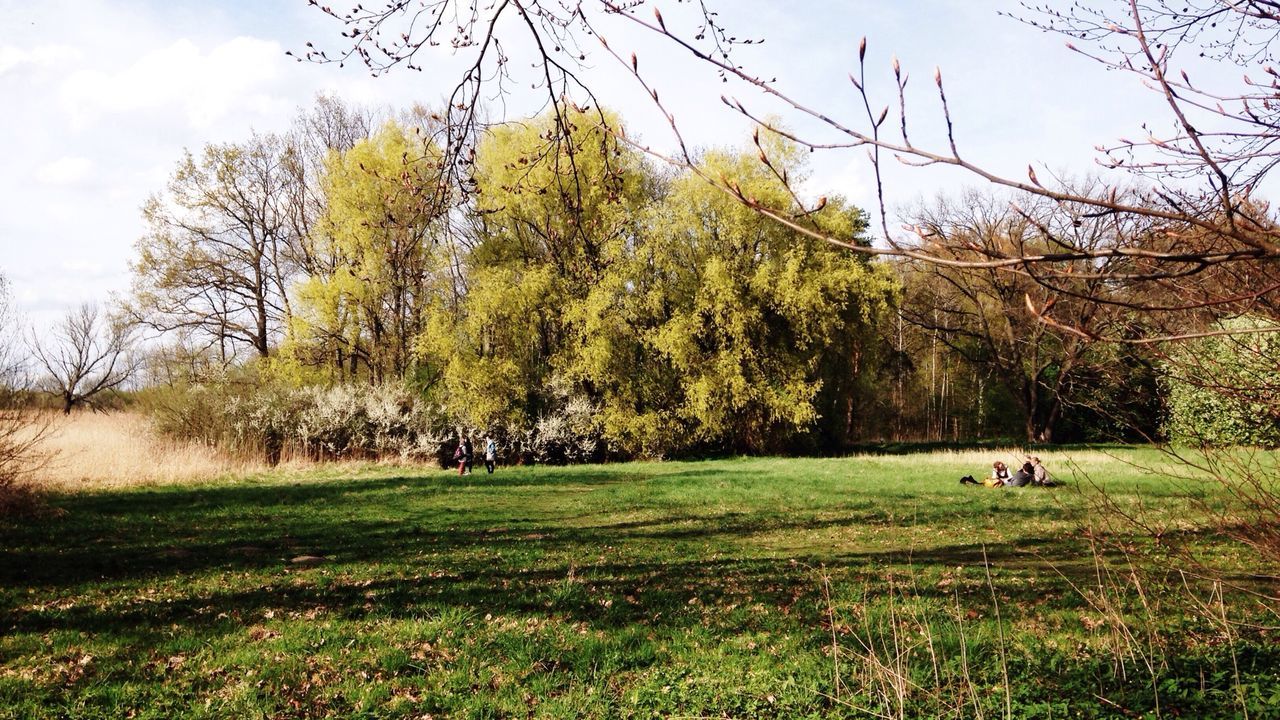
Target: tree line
[
  {"x": 565, "y": 274},
  {"x": 572, "y": 296},
  {"x": 563, "y": 268}
]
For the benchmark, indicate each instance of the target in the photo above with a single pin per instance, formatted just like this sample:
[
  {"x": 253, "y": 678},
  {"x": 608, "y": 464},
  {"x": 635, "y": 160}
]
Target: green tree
[
  {"x": 722, "y": 328},
  {"x": 1225, "y": 390},
  {"x": 556, "y": 207},
  {"x": 384, "y": 214}
]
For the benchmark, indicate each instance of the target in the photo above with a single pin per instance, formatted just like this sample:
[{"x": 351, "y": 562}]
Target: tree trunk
[
  {"x": 260, "y": 341},
  {"x": 1040, "y": 424},
  {"x": 274, "y": 446},
  {"x": 1045, "y": 435}
]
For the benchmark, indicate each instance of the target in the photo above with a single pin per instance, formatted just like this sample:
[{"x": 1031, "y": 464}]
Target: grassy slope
[{"x": 691, "y": 589}]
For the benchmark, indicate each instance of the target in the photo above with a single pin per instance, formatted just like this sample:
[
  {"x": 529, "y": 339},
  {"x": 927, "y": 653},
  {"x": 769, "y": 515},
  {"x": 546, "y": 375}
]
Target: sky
[{"x": 99, "y": 99}]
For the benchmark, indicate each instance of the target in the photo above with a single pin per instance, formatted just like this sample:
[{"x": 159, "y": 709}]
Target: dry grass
[{"x": 104, "y": 450}]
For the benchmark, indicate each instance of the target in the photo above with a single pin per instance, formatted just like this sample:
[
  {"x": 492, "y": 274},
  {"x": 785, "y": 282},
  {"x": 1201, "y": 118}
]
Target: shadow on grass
[
  {"x": 412, "y": 547},
  {"x": 150, "y": 534},
  {"x": 668, "y": 593}
]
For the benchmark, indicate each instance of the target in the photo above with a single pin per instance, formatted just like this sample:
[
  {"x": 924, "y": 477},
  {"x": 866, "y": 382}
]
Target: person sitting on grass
[
  {"x": 1022, "y": 477},
  {"x": 999, "y": 475},
  {"x": 1040, "y": 474}
]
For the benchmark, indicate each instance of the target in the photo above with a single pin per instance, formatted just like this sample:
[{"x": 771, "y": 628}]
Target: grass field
[{"x": 858, "y": 587}]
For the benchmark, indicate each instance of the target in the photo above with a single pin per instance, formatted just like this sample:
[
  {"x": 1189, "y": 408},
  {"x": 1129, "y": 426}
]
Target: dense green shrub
[{"x": 1225, "y": 390}]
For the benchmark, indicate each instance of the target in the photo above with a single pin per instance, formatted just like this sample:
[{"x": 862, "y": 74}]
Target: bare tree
[
  {"x": 181, "y": 359},
  {"x": 218, "y": 259},
  {"x": 21, "y": 431},
  {"x": 988, "y": 317},
  {"x": 329, "y": 126},
  {"x": 87, "y": 355},
  {"x": 11, "y": 362}
]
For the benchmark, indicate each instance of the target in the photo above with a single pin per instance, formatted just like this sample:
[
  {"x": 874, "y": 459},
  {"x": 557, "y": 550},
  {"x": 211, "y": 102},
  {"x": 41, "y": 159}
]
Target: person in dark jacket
[
  {"x": 468, "y": 453},
  {"x": 1022, "y": 476}
]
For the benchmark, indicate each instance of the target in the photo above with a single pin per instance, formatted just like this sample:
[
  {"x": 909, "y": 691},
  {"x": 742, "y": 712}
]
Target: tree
[
  {"x": 87, "y": 355},
  {"x": 181, "y": 359},
  {"x": 11, "y": 363},
  {"x": 330, "y": 126},
  {"x": 1225, "y": 390},
  {"x": 549, "y": 222},
  {"x": 719, "y": 328},
  {"x": 384, "y": 213},
  {"x": 1198, "y": 177},
  {"x": 21, "y": 431},
  {"x": 217, "y": 259},
  {"x": 492, "y": 357},
  {"x": 989, "y": 316}
]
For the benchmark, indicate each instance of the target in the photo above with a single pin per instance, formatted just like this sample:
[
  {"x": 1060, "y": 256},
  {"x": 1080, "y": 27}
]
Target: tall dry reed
[{"x": 120, "y": 449}]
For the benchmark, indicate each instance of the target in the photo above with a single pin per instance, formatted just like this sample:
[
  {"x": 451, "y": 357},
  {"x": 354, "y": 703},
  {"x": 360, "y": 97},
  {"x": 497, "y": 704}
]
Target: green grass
[{"x": 701, "y": 589}]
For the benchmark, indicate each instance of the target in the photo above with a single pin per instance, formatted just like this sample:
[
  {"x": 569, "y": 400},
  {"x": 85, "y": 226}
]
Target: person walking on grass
[
  {"x": 460, "y": 455},
  {"x": 490, "y": 453},
  {"x": 468, "y": 453}
]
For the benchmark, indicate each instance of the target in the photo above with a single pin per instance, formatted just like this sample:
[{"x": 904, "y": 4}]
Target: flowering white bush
[
  {"x": 360, "y": 421},
  {"x": 571, "y": 433}
]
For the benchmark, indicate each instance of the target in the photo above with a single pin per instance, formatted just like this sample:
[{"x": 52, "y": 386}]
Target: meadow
[{"x": 868, "y": 586}]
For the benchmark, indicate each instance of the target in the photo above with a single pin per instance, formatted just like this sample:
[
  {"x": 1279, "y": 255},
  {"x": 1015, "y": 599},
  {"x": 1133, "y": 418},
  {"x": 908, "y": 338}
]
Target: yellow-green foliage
[
  {"x": 670, "y": 312},
  {"x": 561, "y": 193},
  {"x": 490, "y": 351},
  {"x": 554, "y": 221},
  {"x": 383, "y": 204},
  {"x": 714, "y": 330}
]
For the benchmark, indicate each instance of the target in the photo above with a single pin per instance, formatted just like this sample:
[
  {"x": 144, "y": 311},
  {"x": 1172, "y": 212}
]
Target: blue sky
[{"x": 100, "y": 98}]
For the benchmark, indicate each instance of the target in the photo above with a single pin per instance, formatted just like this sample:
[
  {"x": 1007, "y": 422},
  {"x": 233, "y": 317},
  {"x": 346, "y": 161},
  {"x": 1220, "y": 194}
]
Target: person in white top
[
  {"x": 490, "y": 453},
  {"x": 999, "y": 475}
]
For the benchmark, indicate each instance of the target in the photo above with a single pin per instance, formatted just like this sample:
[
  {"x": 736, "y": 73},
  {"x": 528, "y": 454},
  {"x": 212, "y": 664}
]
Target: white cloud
[
  {"x": 849, "y": 179},
  {"x": 12, "y": 58},
  {"x": 86, "y": 268},
  {"x": 65, "y": 171},
  {"x": 205, "y": 87}
]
